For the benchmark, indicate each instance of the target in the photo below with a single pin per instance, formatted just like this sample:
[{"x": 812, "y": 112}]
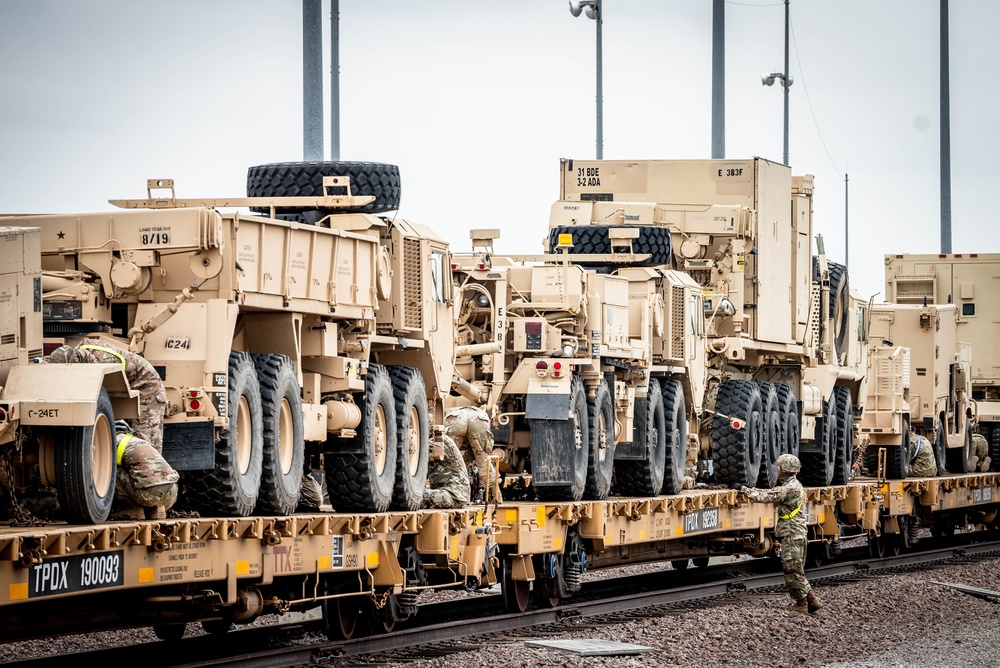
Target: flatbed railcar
[{"x": 57, "y": 578}]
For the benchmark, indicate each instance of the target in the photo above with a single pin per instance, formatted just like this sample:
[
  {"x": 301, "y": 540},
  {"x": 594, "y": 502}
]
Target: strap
[
  {"x": 798, "y": 508},
  {"x": 121, "y": 447},
  {"x": 106, "y": 350}
]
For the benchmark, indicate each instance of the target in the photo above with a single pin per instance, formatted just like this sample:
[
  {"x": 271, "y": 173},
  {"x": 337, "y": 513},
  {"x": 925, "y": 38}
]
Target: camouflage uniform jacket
[
  {"x": 923, "y": 464},
  {"x": 790, "y": 498},
  {"x": 144, "y": 476},
  {"x": 470, "y": 426},
  {"x": 141, "y": 376},
  {"x": 447, "y": 479}
]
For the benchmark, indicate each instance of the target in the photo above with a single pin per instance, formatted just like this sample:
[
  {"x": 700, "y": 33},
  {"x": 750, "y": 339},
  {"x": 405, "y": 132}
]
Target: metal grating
[
  {"x": 815, "y": 312},
  {"x": 413, "y": 293},
  {"x": 677, "y": 305},
  {"x": 6, "y": 339}
]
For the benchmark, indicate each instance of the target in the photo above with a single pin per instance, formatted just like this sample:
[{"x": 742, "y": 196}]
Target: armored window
[
  {"x": 969, "y": 309},
  {"x": 437, "y": 276}
]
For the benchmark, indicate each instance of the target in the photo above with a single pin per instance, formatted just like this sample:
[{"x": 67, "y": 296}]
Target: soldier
[
  {"x": 790, "y": 530},
  {"x": 144, "y": 476},
  {"x": 923, "y": 464},
  {"x": 311, "y": 496},
  {"x": 981, "y": 453},
  {"x": 141, "y": 376},
  {"x": 447, "y": 479},
  {"x": 469, "y": 427}
]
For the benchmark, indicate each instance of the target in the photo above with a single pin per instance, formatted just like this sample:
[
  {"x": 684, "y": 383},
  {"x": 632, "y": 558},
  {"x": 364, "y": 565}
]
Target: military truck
[
  {"x": 600, "y": 374},
  {"x": 785, "y": 355},
  {"x": 56, "y": 424},
  {"x": 312, "y": 320},
  {"x": 970, "y": 282},
  {"x": 920, "y": 382}
]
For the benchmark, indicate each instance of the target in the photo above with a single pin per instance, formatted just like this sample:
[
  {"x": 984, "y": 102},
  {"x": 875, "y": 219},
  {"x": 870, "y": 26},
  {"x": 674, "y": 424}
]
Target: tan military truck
[
  {"x": 969, "y": 281},
  {"x": 599, "y": 377},
  {"x": 920, "y": 381},
  {"x": 312, "y": 320},
  {"x": 56, "y": 424},
  {"x": 784, "y": 360}
]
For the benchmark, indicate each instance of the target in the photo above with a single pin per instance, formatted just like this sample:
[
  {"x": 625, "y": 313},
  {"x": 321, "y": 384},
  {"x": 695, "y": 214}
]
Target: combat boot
[
  {"x": 800, "y": 606},
  {"x": 984, "y": 466},
  {"x": 813, "y": 603}
]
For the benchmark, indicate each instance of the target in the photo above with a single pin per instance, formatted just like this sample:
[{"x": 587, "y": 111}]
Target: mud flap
[
  {"x": 547, "y": 406},
  {"x": 189, "y": 446}
]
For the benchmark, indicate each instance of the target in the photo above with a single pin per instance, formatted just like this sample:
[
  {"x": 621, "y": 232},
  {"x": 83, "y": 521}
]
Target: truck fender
[{"x": 65, "y": 395}]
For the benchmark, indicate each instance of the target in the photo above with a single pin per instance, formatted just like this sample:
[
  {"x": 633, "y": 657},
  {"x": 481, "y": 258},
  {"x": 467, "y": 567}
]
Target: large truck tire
[
  {"x": 283, "y": 445},
  {"x": 231, "y": 489},
  {"x": 85, "y": 466},
  {"x": 676, "y": 426},
  {"x": 305, "y": 179},
  {"x": 791, "y": 425},
  {"x": 818, "y": 465},
  {"x": 897, "y": 461},
  {"x": 573, "y": 433},
  {"x": 960, "y": 460},
  {"x": 601, "y": 461},
  {"x": 363, "y": 480},
  {"x": 644, "y": 477},
  {"x": 737, "y": 448},
  {"x": 412, "y": 438},
  {"x": 845, "y": 436},
  {"x": 994, "y": 441},
  {"x": 771, "y": 446},
  {"x": 594, "y": 239},
  {"x": 839, "y": 302}
]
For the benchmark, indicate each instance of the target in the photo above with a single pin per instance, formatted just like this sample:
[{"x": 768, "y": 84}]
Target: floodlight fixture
[{"x": 576, "y": 7}]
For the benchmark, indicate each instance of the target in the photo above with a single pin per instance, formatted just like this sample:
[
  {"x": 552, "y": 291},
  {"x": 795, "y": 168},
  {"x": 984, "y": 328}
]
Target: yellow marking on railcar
[
  {"x": 540, "y": 516},
  {"x": 243, "y": 567},
  {"x": 557, "y": 542},
  {"x": 454, "y": 547},
  {"x": 371, "y": 560},
  {"x": 146, "y": 575},
  {"x": 17, "y": 591},
  {"x": 511, "y": 515},
  {"x": 727, "y": 524},
  {"x": 479, "y": 518},
  {"x": 324, "y": 561},
  {"x": 680, "y": 529},
  {"x": 642, "y": 534}
]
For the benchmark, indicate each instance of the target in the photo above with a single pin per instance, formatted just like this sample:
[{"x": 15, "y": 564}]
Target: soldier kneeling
[
  {"x": 144, "y": 476},
  {"x": 447, "y": 479}
]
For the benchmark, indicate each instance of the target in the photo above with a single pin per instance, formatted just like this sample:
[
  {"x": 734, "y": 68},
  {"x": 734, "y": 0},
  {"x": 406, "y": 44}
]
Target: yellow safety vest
[
  {"x": 797, "y": 509},
  {"x": 106, "y": 350},
  {"x": 121, "y": 447}
]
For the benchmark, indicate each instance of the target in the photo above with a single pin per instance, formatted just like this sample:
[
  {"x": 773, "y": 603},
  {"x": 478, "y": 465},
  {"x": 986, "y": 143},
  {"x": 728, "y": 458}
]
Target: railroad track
[{"x": 447, "y": 627}]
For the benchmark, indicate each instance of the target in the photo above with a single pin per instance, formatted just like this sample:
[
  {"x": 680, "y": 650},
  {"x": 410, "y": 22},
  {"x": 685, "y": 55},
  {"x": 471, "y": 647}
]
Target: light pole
[
  {"x": 593, "y": 11},
  {"x": 786, "y": 82}
]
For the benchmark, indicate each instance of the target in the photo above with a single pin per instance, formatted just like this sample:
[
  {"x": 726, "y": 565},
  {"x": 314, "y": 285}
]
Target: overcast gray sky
[{"x": 477, "y": 101}]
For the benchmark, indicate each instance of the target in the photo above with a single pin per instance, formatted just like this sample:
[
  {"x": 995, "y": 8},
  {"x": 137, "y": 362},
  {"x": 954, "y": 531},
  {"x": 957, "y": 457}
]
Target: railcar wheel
[
  {"x": 217, "y": 627},
  {"x": 645, "y": 477},
  {"x": 169, "y": 632},
  {"x": 363, "y": 480},
  {"x": 516, "y": 593},
  {"x": 413, "y": 437},
  {"x": 680, "y": 564},
  {"x": 340, "y": 617},
  {"x": 844, "y": 435},
  {"x": 876, "y": 545},
  {"x": 700, "y": 562},
  {"x": 548, "y": 570},
  {"x": 960, "y": 459},
  {"x": 283, "y": 444},
  {"x": 573, "y": 431},
  {"x": 737, "y": 432},
  {"x": 601, "y": 460},
  {"x": 85, "y": 466},
  {"x": 771, "y": 447}
]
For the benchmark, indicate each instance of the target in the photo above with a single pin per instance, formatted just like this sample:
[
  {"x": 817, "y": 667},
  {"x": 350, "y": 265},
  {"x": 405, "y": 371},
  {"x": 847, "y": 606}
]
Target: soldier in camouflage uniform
[
  {"x": 144, "y": 476},
  {"x": 469, "y": 427},
  {"x": 981, "y": 451},
  {"x": 923, "y": 464},
  {"x": 141, "y": 376},
  {"x": 447, "y": 479},
  {"x": 791, "y": 530},
  {"x": 311, "y": 496}
]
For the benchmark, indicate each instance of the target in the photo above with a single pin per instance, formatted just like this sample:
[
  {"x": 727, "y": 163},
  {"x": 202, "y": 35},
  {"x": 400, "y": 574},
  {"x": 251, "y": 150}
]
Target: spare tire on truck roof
[
  {"x": 594, "y": 239},
  {"x": 305, "y": 179}
]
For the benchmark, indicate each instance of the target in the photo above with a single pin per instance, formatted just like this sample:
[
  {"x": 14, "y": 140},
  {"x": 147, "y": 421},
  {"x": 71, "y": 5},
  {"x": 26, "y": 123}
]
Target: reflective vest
[
  {"x": 797, "y": 508},
  {"x": 106, "y": 350}
]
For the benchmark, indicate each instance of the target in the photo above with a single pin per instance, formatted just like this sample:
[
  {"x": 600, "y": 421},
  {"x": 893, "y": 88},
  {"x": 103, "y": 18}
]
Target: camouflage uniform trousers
[
  {"x": 144, "y": 476},
  {"x": 311, "y": 496},
  {"x": 793, "y": 566},
  {"x": 469, "y": 427},
  {"x": 981, "y": 450},
  {"x": 447, "y": 479},
  {"x": 924, "y": 465},
  {"x": 141, "y": 376}
]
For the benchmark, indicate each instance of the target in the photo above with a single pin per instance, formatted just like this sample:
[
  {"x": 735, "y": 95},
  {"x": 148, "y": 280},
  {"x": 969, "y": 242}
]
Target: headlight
[
  {"x": 483, "y": 300},
  {"x": 569, "y": 349},
  {"x": 62, "y": 310}
]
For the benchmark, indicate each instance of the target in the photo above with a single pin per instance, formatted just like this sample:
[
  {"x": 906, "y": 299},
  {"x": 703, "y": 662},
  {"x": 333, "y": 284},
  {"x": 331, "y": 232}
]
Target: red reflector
[
  {"x": 193, "y": 394},
  {"x": 542, "y": 365},
  {"x": 195, "y": 405},
  {"x": 973, "y": 254},
  {"x": 736, "y": 424},
  {"x": 454, "y": 266},
  {"x": 942, "y": 255},
  {"x": 557, "y": 365},
  {"x": 482, "y": 265},
  {"x": 958, "y": 255}
]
